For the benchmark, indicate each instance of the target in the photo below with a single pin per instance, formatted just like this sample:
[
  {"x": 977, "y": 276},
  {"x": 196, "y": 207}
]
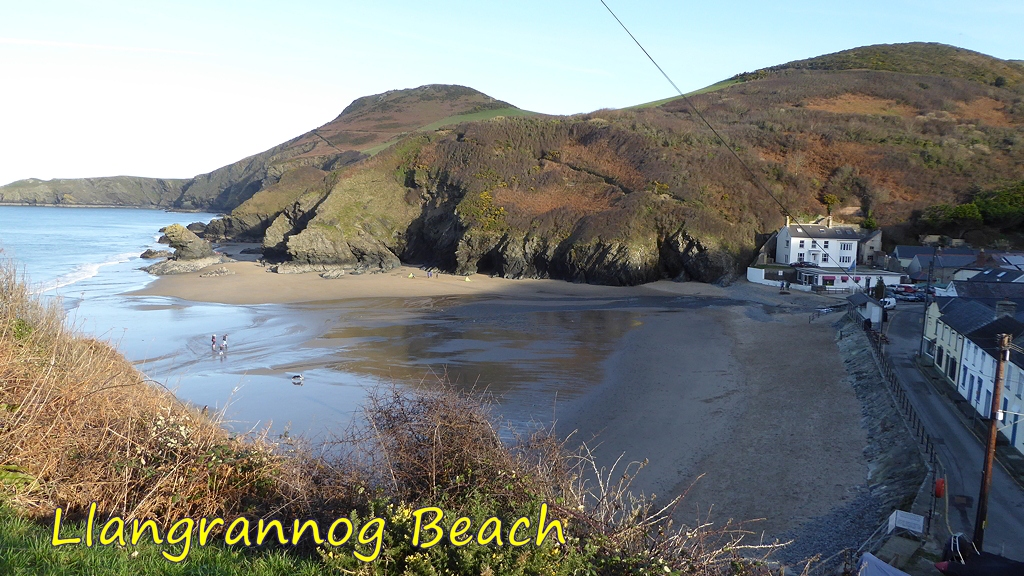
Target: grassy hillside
[
  {"x": 930, "y": 59},
  {"x": 704, "y": 90},
  {"x": 367, "y": 126}
]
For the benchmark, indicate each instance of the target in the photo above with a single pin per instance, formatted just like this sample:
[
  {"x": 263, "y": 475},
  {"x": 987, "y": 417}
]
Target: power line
[{"x": 753, "y": 175}]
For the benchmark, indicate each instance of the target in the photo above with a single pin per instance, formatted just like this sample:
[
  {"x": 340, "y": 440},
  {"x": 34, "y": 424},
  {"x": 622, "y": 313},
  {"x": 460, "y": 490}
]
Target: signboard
[{"x": 907, "y": 521}]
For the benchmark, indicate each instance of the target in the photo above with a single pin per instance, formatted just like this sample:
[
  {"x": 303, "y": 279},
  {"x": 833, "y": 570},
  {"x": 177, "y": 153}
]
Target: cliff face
[{"x": 113, "y": 191}]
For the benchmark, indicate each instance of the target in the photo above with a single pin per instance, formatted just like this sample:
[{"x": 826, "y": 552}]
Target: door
[{"x": 987, "y": 408}]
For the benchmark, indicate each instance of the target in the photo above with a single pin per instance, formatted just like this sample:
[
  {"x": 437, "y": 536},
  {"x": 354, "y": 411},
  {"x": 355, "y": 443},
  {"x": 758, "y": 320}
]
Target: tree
[
  {"x": 830, "y": 200},
  {"x": 879, "y": 289},
  {"x": 965, "y": 217}
]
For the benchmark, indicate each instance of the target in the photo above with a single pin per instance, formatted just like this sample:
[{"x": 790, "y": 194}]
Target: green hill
[
  {"x": 926, "y": 58},
  {"x": 365, "y": 127}
]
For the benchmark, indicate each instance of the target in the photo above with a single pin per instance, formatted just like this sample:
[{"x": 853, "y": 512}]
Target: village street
[{"x": 959, "y": 451}]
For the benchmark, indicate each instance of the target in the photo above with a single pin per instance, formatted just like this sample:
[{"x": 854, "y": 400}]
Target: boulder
[
  {"x": 222, "y": 271},
  {"x": 168, "y": 267},
  {"x": 197, "y": 227},
  {"x": 150, "y": 253},
  {"x": 187, "y": 246}
]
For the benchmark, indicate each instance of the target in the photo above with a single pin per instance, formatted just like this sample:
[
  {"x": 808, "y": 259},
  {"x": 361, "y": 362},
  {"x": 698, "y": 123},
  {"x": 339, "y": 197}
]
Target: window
[
  {"x": 801, "y": 244},
  {"x": 800, "y": 255},
  {"x": 787, "y": 243},
  {"x": 825, "y": 244},
  {"x": 845, "y": 259},
  {"x": 846, "y": 246},
  {"x": 824, "y": 257}
]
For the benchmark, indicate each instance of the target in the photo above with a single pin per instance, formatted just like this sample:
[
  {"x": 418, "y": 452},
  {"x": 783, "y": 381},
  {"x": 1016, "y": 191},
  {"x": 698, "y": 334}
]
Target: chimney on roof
[
  {"x": 982, "y": 259},
  {"x": 787, "y": 220},
  {"x": 828, "y": 221},
  {"x": 1006, "y": 308}
]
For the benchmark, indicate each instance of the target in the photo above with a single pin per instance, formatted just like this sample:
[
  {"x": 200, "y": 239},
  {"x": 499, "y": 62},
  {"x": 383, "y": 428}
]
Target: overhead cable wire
[{"x": 753, "y": 175}]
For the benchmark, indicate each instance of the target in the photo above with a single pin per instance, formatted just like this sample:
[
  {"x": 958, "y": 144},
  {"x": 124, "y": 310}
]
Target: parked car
[
  {"x": 888, "y": 303},
  {"x": 803, "y": 264}
]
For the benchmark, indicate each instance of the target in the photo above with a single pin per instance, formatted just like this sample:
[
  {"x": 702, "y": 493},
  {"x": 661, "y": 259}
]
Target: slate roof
[
  {"x": 859, "y": 298},
  {"x": 996, "y": 275},
  {"x": 989, "y": 290},
  {"x": 985, "y": 337},
  {"x": 820, "y": 231},
  {"x": 905, "y": 251},
  {"x": 946, "y": 260},
  {"x": 965, "y": 316}
]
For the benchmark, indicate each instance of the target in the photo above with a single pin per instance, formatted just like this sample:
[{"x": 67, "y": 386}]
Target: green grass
[
  {"x": 712, "y": 88},
  {"x": 451, "y": 120},
  {"x": 916, "y": 58},
  {"x": 25, "y": 548}
]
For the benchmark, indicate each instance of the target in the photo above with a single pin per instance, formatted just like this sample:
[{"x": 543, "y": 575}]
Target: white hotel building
[{"x": 823, "y": 245}]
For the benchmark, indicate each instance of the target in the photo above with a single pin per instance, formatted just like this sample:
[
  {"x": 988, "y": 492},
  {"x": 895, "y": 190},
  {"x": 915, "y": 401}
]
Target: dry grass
[
  {"x": 861, "y": 104},
  {"x": 85, "y": 426}
]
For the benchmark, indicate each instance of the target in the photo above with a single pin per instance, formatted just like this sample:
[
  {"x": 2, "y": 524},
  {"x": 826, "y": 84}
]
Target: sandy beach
[{"x": 732, "y": 383}]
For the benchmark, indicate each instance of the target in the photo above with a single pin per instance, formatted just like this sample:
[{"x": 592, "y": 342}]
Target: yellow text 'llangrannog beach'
[{"x": 366, "y": 546}]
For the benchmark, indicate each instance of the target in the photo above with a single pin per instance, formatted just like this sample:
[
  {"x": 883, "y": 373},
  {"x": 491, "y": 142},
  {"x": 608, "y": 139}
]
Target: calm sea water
[{"x": 63, "y": 251}]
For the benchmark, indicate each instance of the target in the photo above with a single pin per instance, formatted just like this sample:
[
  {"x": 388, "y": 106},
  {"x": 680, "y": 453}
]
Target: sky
[{"x": 175, "y": 89}]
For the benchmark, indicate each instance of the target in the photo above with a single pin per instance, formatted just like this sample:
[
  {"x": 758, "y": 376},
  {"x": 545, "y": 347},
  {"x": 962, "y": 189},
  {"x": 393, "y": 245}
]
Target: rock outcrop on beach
[
  {"x": 150, "y": 254},
  {"x": 191, "y": 253},
  {"x": 187, "y": 246}
]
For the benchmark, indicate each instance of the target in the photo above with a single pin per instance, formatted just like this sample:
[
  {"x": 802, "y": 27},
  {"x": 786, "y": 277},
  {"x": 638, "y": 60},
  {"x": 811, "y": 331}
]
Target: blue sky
[{"x": 173, "y": 89}]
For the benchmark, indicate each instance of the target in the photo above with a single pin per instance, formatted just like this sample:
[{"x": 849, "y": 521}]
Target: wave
[{"x": 81, "y": 272}]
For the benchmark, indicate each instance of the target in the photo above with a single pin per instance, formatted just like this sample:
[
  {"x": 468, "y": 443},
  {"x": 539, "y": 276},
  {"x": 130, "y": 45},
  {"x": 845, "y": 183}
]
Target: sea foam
[{"x": 82, "y": 272}]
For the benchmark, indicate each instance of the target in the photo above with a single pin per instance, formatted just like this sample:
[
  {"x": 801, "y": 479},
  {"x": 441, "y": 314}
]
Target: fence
[
  {"x": 878, "y": 342},
  {"x": 845, "y": 557}
]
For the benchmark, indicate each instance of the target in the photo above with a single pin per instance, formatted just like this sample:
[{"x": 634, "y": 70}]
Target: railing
[
  {"x": 824, "y": 311},
  {"x": 848, "y": 556},
  {"x": 878, "y": 342}
]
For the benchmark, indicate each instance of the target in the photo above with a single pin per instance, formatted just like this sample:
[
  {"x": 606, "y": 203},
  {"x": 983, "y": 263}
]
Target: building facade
[
  {"x": 978, "y": 375},
  {"x": 819, "y": 244}
]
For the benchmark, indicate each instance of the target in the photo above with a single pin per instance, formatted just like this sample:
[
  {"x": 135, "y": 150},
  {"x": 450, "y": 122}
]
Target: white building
[
  {"x": 978, "y": 372},
  {"x": 823, "y": 245},
  {"x": 868, "y": 309}
]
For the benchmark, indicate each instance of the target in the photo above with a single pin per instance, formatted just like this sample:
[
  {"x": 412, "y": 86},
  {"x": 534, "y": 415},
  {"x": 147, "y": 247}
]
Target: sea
[{"x": 524, "y": 357}]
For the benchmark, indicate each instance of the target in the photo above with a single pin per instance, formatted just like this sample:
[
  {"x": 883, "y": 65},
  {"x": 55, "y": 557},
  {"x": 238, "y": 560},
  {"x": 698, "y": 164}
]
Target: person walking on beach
[
  {"x": 224, "y": 343},
  {"x": 213, "y": 342}
]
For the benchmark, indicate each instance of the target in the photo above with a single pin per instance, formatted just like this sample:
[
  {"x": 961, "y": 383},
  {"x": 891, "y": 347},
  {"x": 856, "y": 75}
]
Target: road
[{"x": 958, "y": 449}]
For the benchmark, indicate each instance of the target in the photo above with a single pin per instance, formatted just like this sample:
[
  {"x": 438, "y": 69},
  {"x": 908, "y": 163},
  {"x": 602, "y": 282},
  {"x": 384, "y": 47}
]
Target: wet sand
[{"x": 732, "y": 383}]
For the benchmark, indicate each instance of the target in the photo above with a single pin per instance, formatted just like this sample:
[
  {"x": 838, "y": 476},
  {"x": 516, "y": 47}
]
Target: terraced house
[
  {"x": 947, "y": 322},
  {"x": 979, "y": 372}
]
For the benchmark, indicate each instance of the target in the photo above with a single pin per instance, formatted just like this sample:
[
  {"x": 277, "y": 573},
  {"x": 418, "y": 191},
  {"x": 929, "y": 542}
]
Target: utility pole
[
  {"x": 990, "y": 451},
  {"x": 927, "y": 302}
]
